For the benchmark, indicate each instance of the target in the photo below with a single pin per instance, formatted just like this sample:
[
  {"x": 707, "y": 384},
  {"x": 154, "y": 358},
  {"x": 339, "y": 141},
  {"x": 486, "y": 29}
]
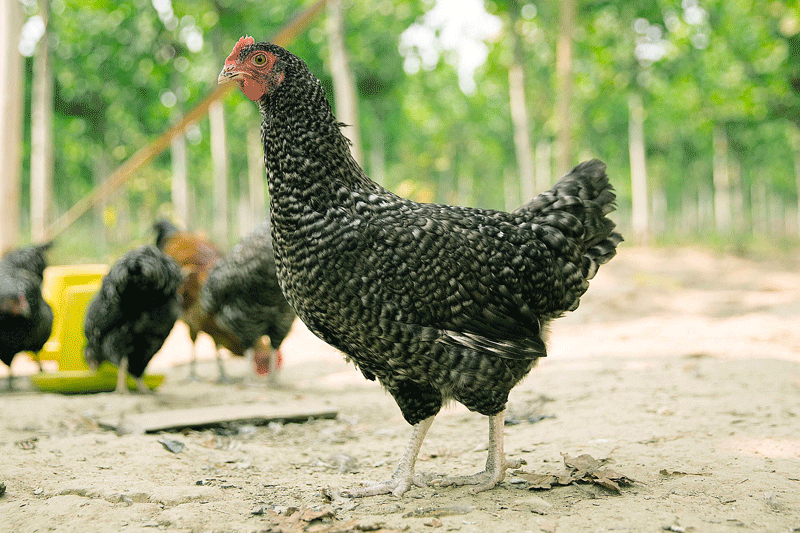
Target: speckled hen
[
  {"x": 436, "y": 302},
  {"x": 26, "y": 320},
  {"x": 132, "y": 314},
  {"x": 242, "y": 295}
]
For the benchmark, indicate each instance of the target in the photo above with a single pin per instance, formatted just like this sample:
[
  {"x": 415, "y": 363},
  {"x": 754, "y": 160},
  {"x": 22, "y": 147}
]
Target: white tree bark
[
  {"x": 42, "y": 135},
  {"x": 640, "y": 217},
  {"x": 11, "y": 104},
  {"x": 256, "y": 176},
  {"x": 794, "y": 133},
  {"x": 521, "y": 124},
  {"x": 377, "y": 157},
  {"x": 219, "y": 157},
  {"x": 544, "y": 167},
  {"x": 511, "y": 190},
  {"x": 564, "y": 86},
  {"x": 344, "y": 87},
  {"x": 722, "y": 184}
]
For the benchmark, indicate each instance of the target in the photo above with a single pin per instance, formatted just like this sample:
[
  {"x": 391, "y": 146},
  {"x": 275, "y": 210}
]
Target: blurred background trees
[{"x": 693, "y": 104}]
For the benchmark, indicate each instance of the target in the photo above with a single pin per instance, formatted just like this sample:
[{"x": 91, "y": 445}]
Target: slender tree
[
  {"x": 11, "y": 103},
  {"x": 564, "y": 82},
  {"x": 219, "y": 158},
  {"x": 636, "y": 145},
  {"x": 519, "y": 109},
  {"x": 42, "y": 133},
  {"x": 344, "y": 87}
]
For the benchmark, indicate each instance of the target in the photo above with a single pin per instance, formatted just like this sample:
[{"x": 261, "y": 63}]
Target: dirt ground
[{"x": 681, "y": 367}]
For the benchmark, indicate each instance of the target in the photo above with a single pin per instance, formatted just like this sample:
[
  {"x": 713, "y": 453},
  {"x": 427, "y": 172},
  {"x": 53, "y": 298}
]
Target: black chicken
[
  {"x": 437, "y": 302},
  {"x": 131, "y": 316},
  {"x": 26, "y": 320},
  {"x": 243, "y": 295}
]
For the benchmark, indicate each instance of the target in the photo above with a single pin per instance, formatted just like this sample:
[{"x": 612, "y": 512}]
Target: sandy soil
[{"x": 681, "y": 367}]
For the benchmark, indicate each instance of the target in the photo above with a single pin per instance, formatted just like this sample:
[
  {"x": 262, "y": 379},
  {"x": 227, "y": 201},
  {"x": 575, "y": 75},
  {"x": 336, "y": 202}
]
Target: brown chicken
[{"x": 196, "y": 256}]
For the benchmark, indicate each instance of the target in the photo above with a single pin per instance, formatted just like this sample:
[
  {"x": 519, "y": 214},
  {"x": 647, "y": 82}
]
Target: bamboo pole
[{"x": 147, "y": 153}]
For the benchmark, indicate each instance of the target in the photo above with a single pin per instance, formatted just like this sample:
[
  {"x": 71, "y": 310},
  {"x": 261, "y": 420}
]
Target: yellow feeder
[{"x": 69, "y": 289}]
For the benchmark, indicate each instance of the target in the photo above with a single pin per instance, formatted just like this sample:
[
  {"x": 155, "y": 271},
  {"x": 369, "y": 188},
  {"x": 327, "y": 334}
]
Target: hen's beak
[
  {"x": 228, "y": 73},
  {"x": 16, "y": 305}
]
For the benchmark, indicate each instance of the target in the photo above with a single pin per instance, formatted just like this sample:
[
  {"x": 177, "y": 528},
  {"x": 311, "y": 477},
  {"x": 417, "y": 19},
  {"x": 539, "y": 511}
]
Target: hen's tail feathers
[
  {"x": 164, "y": 230},
  {"x": 577, "y": 206}
]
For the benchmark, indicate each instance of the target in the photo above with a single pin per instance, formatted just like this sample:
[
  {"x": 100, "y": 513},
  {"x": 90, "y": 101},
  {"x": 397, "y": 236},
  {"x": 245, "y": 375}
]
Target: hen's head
[
  {"x": 258, "y": 68},
  {"x": 29, "y": 259},
  {"x": 15, "y": 304}
]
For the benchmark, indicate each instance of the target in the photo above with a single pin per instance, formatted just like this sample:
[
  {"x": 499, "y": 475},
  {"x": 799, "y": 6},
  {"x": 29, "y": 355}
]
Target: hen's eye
[{"x": 260, "y": 59}]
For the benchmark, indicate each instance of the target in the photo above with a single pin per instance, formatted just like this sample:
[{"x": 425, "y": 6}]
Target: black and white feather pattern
[
  {"x": 437, "y": 302},
  {"x": 243, "y": 294}
]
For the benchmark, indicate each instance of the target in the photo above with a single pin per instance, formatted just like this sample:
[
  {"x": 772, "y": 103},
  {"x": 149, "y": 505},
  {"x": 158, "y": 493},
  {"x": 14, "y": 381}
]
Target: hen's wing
[{"x": 462, "y": 276}]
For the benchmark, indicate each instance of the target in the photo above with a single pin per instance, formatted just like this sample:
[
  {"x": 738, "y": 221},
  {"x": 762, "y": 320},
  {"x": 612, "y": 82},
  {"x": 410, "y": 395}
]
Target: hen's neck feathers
[{"x": 304, "y": 148}]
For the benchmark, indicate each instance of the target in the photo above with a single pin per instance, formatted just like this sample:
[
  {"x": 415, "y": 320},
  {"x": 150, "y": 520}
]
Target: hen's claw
[
  {"x": 395, "y": 486},
  {"x": 482, "y": 480}
]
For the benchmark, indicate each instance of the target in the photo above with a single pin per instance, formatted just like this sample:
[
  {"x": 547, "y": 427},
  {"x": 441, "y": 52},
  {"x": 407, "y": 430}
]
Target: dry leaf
[
  {"x": 584, "y": 469},
  {"x": 539, "y": 481},
  {"x": 584, "y": 463}
]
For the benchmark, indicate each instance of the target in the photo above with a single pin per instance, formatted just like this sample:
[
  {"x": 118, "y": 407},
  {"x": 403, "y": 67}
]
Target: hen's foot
[
  {"x": 395, "y": 486},
  {"x": 482, "y": 480},
  {"x": 141, "y": 387}
]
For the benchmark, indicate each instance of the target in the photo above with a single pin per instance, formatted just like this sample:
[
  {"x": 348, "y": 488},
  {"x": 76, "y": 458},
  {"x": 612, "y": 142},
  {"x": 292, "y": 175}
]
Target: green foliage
[{"x": 125, "y": 70}]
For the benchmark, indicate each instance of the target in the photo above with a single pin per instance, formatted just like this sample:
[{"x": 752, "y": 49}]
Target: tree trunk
[
  {"x": 640, "y": 218},
  {"x": 255, "y": 176},
  {"x": 564, "y": 86},
  {"x": 519, "y": 111},
  {"x": 511, "y": 189},
  {"x": 689, "y": 212},
  {"x": 705, "y": 207},
  {"x": 722, "y": 185},
  {"x": 544, "y": 168},
  {"x": 180, "y": 179},
  {"x": 794, "y": 133},
  {"x": 344, "y": 87},
  {"x": 738, "y": 212},
  {"x": 660, "y": 224},
  {"x": 11, "y": 104},
  {"x": 219, "y": 157},
  {"x": 42, "y": 135},
  {"x": 377, "y": 157},
  {"x": 465, "y": 182},
  {"x": 777, "y": 218}
]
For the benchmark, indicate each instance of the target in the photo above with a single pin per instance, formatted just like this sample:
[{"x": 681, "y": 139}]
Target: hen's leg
[
  {"x": 272, "y": 375},
  {"x": 122, "y": 376},
  {"x": 496, "y": 463},
  {"x": 193, "y": 365},
  {"x": 223, "y": 376},
  {"x": 403, "y": 476},
  {"x": 141, "y": 386}
]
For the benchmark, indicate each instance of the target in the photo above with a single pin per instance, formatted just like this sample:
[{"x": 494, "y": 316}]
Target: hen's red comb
[{"x": 237, "y": 48}]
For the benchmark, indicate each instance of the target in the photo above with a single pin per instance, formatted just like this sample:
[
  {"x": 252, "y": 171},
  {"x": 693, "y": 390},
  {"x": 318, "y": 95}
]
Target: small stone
[{"x": 433, "y": 522}]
